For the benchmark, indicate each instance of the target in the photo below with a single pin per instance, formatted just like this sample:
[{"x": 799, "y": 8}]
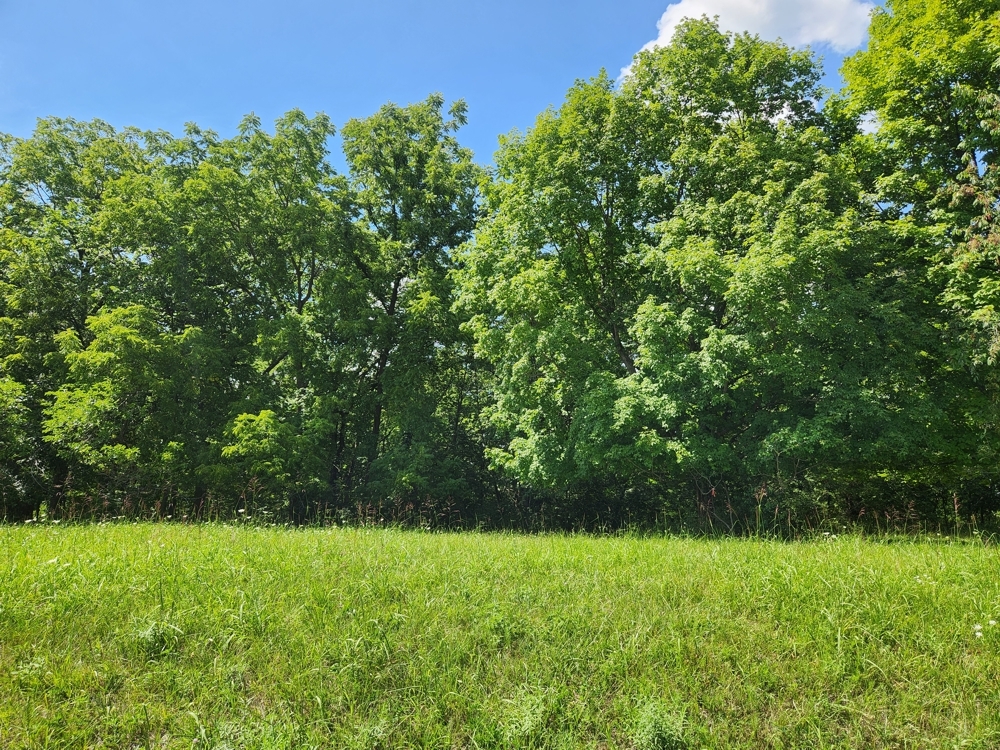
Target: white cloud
[{"x": 842, "y": 24}]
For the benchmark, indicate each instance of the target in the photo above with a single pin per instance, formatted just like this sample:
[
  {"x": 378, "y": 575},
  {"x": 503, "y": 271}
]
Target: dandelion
[
  {"x": 992, "y": 623},
  {"x": 979, "y": 634}
]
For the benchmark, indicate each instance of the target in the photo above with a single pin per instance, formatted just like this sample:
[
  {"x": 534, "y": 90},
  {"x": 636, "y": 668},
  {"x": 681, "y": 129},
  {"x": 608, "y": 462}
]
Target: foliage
[
  {"x": 13, "y": 424},
  {"x": 714, "y": 306},
  {"x": 695, "y": 296},
  {"x": 927, "y": 65},
  {"x": 929, "y": 80},
  {"x": 191, "y": 322}
]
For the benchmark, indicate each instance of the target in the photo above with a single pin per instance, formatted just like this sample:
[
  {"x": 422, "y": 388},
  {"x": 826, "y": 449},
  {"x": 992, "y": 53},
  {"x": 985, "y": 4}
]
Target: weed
[
  {"x": 660, "y": 729},
  {"x": 157, "y": 639}
]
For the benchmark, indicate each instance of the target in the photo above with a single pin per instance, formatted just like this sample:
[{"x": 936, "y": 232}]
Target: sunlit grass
[{"x": 212, "y": 636}]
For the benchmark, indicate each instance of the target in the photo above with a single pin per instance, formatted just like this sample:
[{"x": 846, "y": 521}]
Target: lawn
[{"x": 135, "y": 636}]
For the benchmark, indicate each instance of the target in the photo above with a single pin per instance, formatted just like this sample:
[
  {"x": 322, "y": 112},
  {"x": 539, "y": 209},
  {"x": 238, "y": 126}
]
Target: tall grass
[{"x": 140, "y": 636}]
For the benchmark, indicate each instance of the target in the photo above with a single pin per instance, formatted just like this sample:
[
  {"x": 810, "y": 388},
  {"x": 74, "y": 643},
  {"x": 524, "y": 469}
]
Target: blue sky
[{"x": 159, "y": 65}]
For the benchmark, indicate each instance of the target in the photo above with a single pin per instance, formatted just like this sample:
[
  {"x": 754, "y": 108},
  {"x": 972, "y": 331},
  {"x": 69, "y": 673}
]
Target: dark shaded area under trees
[{"x": 694, "y": 298}]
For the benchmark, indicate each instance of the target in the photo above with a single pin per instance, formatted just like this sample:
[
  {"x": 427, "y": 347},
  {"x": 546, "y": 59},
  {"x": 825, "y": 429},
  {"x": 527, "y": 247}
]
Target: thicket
[{"x": 696, "y": 296}]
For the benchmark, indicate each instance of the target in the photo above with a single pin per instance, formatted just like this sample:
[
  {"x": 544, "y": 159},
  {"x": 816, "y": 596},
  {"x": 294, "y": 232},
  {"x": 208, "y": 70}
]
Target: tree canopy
[{"x": 699, "y": 295}]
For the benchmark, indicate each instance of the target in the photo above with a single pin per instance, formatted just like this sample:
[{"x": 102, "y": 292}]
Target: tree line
[{"x": 706, "y": 294}]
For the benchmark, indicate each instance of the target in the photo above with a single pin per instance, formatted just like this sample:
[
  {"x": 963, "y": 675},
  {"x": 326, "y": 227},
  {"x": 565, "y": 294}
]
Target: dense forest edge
[{"x": 710, "y": 295}]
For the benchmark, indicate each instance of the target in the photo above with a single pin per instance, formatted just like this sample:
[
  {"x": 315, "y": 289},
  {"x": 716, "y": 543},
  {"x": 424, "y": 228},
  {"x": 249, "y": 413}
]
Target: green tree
[
  {"x": 923, "y": 76},
  {"x": 683, "y": 294},
  {"x": 118, "y": 419},
  {"x": 270, "y": 216},
  {"x": 416, "y": 191},
  {"x": 59, "y": 264},
  {"x": 14, "y": 451},
  {"x": 929, "y": 80}
]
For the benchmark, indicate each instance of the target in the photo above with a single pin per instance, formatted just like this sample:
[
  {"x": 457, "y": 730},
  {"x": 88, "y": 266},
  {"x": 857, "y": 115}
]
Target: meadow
[{"x": 170, "y": 635}]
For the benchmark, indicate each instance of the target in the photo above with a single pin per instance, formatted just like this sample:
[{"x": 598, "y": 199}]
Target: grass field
[{"x": 140, "y": 636}]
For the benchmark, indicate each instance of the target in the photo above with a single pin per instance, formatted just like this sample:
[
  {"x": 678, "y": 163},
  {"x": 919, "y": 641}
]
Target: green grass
[{"x": 140, "y": 636}]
